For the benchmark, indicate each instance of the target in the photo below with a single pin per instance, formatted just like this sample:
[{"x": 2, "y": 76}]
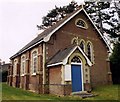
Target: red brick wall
[
  {"x": 29, "y": 81},
  {"x": 55, "y": 79},
  {"x": 62, "y": 39},
  {"x": 55, "y": 75},
  {"x": 55, "y": 86}
]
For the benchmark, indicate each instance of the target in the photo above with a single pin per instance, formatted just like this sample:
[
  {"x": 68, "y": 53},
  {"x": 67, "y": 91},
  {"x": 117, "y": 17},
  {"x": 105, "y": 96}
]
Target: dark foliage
[
  {"x": 56, "y": 14},
  {"x": 97, "y": 11},
  {"x": 115, "y": 64},
  {"x": 4, "y": 76}
]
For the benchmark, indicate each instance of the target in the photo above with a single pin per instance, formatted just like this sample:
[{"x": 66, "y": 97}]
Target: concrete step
[{"x": 83, "y": 94}]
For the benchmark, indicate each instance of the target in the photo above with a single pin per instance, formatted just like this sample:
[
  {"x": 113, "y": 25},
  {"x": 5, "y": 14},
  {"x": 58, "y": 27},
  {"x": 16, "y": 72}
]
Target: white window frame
[
  {"x": 32, "y": 62},
  {"x": 15, "y": 67},
  {"x": 67, "y": 70},
  {"x": 23, "y": 63}
]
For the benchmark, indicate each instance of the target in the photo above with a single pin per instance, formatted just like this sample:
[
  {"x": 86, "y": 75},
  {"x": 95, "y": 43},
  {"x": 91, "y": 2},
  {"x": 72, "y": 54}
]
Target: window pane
[
  {"x": 81, "y": 23},
  {"x": 76, "y": 60},
  {"x": 34, "y": 55},
  {"x": 67, "y": 72},
  {"x": 89, "y": 51},
  {"x": 23, "y": 65},
  {"x": 82, "y": 45}
]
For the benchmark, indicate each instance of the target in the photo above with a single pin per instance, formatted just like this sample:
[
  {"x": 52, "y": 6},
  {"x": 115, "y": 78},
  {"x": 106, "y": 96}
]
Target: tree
[
  {"x": 115, "y": 63},
  {"x": 57, "y": 14},
  {"x": 106, "y": 16},
  {"x": 94, "y": 9}
]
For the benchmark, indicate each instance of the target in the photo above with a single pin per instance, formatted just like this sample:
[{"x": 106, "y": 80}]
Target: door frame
[{"x": 79, "y": 64}]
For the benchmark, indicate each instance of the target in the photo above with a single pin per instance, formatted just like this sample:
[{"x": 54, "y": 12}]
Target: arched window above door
[{"x": 76, "y": 59}]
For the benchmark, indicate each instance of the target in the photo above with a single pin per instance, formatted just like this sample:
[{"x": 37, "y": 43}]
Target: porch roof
[{"x": 61, "y": 57}]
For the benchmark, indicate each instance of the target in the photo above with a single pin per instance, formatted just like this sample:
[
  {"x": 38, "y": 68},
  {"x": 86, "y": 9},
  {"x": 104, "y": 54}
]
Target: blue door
[{"x": 76, "y": 78}]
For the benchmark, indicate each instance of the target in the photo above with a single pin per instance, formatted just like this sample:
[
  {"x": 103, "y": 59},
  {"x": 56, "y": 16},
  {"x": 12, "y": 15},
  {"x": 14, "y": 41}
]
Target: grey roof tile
[{"x": 60, "y": 55}]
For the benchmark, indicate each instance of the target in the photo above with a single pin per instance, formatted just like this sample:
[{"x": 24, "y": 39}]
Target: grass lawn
[{"x": 104, "y": 93}]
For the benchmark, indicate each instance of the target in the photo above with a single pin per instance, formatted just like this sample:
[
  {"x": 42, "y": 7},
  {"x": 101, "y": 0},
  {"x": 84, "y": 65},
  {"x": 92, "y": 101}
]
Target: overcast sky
[{"x": 18, "y": 20}]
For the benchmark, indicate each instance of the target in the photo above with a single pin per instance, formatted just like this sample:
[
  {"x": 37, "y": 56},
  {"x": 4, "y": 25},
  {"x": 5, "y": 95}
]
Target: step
[{"x": 83, "y": 94}]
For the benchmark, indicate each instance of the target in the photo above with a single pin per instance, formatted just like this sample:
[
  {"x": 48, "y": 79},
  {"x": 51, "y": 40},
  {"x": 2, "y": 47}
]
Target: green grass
[
  {"x": 104, "y": 93},
  {"x": 109, "y": 92},
  {"x": 10, "y": 93}
]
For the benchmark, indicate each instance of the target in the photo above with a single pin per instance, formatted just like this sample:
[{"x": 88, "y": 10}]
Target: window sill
[
  {"x": 34, "y": 74},
  {"x": 22, "y": 74},
  {"x": 66, "y": 80},
  {"x": 82, "y": 27},
  {"x": 15, "y": 75}
]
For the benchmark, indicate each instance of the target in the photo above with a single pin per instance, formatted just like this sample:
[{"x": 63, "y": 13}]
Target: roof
[
  {"x": 42, "y": 36},
  {"x": 46, "y": 34},
  {"x": 61, "y": 57}
]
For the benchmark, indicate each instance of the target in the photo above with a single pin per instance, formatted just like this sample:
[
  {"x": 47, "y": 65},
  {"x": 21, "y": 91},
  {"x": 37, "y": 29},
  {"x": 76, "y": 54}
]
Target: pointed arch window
[
  {"x": 74, "y": 41},
  {"x": 23, "y": 65},
  {"x": 82, "y": 45},
  {"x": 34, "y": 62},
  {"x": 89, "y": 51},
  {"x": 76, "y": 60}
]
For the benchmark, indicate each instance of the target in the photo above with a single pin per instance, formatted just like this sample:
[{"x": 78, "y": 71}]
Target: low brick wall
[
  {"x": 60, "y": 89},
  {"x": 56, "y": 89}
]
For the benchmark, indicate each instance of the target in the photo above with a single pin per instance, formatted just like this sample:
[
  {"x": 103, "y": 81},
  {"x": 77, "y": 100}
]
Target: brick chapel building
[{"x": 70, "y": 56}]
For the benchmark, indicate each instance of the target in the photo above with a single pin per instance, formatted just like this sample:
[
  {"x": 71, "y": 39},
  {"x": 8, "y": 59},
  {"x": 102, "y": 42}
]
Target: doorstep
[{"x": 83, "y": 94}]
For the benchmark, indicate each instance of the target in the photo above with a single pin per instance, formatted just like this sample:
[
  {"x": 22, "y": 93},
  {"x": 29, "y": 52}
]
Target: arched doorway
[{"x": 76, "y": 73}]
